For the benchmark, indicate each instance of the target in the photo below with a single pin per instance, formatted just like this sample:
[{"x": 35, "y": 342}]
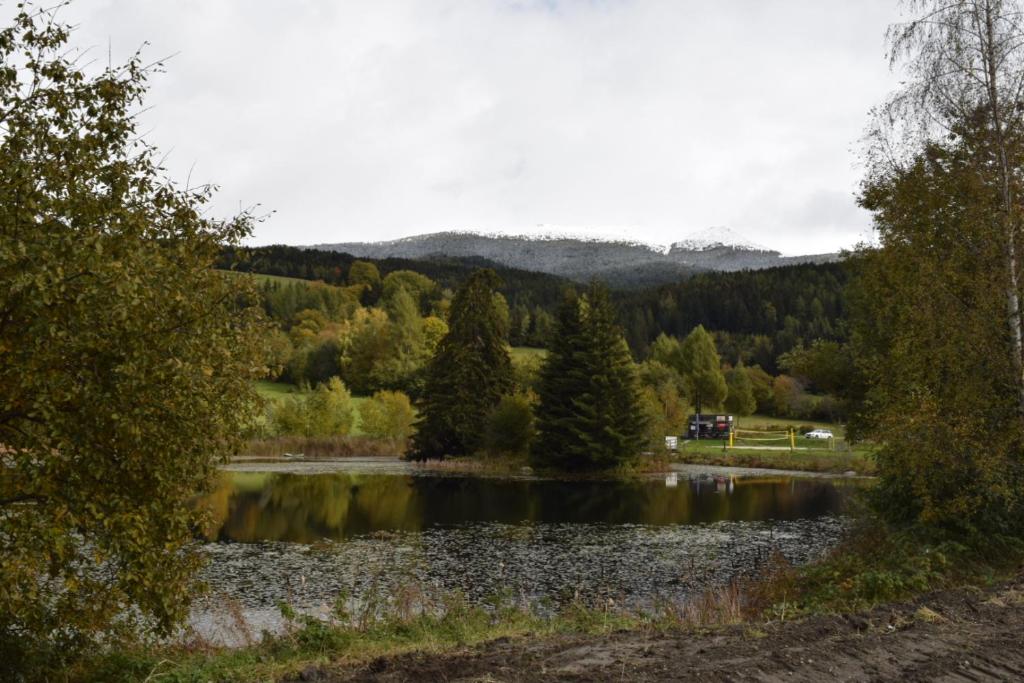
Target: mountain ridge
[{"x": 619, "y": 262}]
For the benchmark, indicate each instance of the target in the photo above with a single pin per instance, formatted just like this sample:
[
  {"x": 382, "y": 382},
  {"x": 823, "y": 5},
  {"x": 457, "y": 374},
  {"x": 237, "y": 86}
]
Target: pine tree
[
  {"x": 469, "y": 373},
  {"x": 590, "y": 414}
]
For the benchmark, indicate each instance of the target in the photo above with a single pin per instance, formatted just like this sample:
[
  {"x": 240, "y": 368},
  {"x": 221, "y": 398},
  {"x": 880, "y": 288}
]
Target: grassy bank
[
  {"x": 878, "y": 564},
  {"x": 859, "y": 461},
  {"x": 404, "y": 624}
]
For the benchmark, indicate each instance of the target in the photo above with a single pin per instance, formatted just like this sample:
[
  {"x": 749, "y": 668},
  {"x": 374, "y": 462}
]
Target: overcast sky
[{"x": 377, "y": 119}]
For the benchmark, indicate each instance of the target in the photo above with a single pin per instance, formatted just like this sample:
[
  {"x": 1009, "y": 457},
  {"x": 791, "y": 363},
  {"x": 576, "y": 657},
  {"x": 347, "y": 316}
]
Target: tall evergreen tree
[
  {"x": 469, "y": 373},
  {"x": 590, "y": 414}
]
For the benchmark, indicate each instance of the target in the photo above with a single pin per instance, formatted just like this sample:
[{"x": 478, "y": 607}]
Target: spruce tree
[
  {"x": 562, "y": 379},
  {"x": 590, "y": 415},
  {"x": 469, "y": 373}
]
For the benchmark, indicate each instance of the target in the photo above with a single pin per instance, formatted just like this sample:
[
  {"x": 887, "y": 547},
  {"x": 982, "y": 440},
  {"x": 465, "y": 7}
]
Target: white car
[{"x": 818, "y": 434}]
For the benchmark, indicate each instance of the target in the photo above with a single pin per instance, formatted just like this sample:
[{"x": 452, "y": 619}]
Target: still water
[
  {"x": 309, "y": 538},
  {"x": 250, "y": 507}
]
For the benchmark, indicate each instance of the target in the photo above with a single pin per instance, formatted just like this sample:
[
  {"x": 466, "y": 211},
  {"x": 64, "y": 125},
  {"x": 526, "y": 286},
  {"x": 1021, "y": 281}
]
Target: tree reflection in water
[{"x": 249, "y": 507}]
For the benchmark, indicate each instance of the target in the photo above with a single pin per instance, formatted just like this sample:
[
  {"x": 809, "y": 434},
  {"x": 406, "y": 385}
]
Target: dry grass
[
  {"x": 323, "y": 447},
  {"x": 483, "y": 465}
]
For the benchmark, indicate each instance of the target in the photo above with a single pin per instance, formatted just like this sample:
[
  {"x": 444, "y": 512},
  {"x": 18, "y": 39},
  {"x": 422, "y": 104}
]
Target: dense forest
[
  {"x": 756, "y": 315},
  {"x": 531, "y": 296}
]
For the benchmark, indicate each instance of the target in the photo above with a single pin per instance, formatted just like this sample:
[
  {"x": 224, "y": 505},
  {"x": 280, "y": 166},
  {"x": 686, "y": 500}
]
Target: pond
[{"x": 307, "y": 537}]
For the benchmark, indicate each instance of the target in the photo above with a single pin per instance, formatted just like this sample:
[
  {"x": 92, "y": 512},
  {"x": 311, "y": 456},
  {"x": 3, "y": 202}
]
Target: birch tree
[{"x": 964, "y": 62}]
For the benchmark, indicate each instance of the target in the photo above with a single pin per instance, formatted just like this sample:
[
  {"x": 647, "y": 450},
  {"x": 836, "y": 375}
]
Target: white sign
[{"x": 672, "y": 442}]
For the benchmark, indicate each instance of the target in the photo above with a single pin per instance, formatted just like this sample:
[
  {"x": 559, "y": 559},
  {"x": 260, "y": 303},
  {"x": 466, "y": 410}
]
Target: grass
[
  {"x": 312, "y": 447},
  {"x": 409, "y": 620},
  {"x": 812, "y": 455},
  {"x": 879, "y": 564},
  {"x": 802, "y": 461},
  {"x": 277, "y": 390},
  {"x": 769, "y": 422},
  {"x": 523, "y": 352},
  {"x": 261, "y": 278}
]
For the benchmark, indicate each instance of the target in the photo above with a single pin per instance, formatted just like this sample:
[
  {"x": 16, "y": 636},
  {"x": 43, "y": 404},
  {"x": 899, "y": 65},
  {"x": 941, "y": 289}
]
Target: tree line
[
  {"x": 531, "y": 296},
  {"x": 756, "y": 316}
]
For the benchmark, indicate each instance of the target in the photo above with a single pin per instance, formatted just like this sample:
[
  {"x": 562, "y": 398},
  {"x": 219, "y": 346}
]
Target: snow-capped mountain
[
  {"x": 619, "y": 262},
  {"x": 715, "y": 238}
]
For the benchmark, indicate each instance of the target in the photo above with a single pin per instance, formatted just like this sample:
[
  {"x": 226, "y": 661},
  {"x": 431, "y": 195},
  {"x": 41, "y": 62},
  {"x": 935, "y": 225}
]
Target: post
[
  {"x": 697, "y": 417},
  {"x": 730, "y": 438},
  {"x": 792, "y": 439}
]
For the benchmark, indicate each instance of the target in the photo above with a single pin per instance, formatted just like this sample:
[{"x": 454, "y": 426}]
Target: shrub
[
  {"x": 388, "y": 415},
  {"x": 327, "y": 411},
  {"x": 510, "y": 428}
]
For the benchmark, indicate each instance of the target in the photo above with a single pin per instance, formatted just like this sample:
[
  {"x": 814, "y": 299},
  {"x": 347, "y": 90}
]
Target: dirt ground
[{"x": 963, "y": 635}]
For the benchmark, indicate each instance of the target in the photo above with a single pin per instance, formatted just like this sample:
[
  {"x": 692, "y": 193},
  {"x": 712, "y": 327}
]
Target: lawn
[
  {"x": 769, "y": 422},
  {"x": 524, "y": 352},
  {"x": 261, "y": 278},
  {"x": 810, "y": 454},
  {"x": 277, "y": 390}
]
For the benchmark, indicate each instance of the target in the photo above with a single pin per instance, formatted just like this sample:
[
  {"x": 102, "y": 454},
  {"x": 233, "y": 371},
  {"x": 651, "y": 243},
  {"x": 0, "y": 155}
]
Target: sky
[{"x": 379, "y": 119}]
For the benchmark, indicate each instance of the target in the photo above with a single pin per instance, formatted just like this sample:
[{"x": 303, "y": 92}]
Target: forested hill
[
  {"x": 761, "y": 313},
  {"x": 756, "y": 315},
  {"x": 525, "y": 287},
  {"x": 620, "y": 264}
]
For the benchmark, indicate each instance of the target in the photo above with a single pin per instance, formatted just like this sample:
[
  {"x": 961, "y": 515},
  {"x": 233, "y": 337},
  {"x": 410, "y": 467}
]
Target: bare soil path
[{"x": 961, "y": 635}]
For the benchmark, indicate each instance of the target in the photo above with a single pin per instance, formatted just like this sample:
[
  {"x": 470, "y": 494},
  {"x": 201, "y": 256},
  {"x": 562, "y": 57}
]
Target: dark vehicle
[{"x": 711, "y": 426}]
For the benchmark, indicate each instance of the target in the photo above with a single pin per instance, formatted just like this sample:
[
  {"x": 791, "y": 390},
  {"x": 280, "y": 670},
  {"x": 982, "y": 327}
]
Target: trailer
[{"x": 709, "y": 426}]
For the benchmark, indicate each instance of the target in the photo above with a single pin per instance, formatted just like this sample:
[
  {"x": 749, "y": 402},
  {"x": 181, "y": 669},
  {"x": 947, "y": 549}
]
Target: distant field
[
  {"x": 277, "y": 391},
  {"x": 527, "y": 352},
  {"x": 766, "y": 421},
  {"x": 259, "y": 277},
  {"x": 816, "y": 447}
]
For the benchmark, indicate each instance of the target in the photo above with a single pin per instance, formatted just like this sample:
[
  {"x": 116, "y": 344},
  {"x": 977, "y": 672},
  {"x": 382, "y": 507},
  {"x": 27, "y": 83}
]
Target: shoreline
[{"x": 396, "y": 465}]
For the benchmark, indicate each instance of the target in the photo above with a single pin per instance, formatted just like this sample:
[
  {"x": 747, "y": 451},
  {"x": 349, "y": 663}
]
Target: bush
[
  {"x": 510, "y": 429},
  {"x": 388, "y": 415},
  {"x": 327, "y": 411},
  {"x": 879, "y": 563}
]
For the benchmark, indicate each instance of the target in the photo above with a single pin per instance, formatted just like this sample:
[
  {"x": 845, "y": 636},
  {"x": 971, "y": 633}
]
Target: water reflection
[{"x": 251, "y": 507}]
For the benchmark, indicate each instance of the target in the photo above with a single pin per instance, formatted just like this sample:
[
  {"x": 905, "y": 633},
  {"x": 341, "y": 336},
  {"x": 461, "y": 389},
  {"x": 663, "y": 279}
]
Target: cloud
[{"x": 374, "y": 120}]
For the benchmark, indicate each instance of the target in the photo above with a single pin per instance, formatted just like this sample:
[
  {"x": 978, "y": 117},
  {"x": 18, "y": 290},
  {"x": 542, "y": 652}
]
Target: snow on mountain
[
  {"x": 550, "y": 233},
  {"x": 716, "y": 238},
  {"x": 616, "y": 260}
]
